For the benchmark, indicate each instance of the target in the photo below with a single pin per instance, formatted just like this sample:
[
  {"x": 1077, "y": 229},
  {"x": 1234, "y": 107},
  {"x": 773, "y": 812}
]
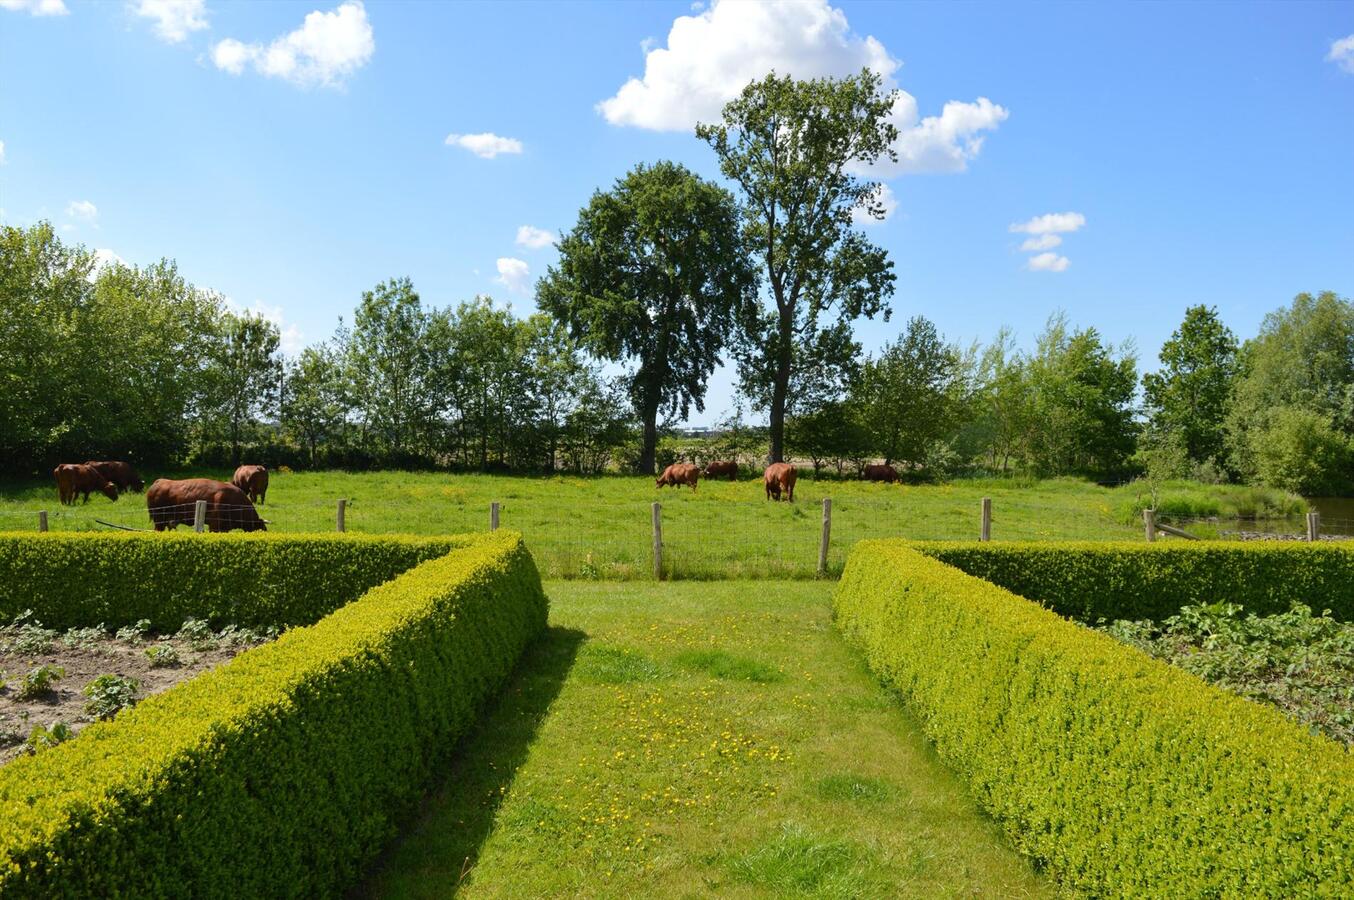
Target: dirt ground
[{"x": 85, "y": 654}]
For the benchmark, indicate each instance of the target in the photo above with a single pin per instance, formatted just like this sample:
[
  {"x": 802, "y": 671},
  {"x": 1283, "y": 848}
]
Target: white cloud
[
  {"x": 485, "y": 145},
  {"x": 174, "y": 19},
  {"x": 712, "y": 55},
  {"x": 513, "y": 274},
  {"x": 534, "y": 238},
  {"x": 1049, "y": 262},
  {"x": 83, "y": 210},
  {"x": 1042, "y": 242},
  {"x": 887, "y": 200},
  {"x": 105, "y": 257},
  {"x": 1051, "y": 223},
  {"x": 324, "y": 51},
  {"x": 2, "y": 153},
  {"x": 290, "y": 339},
  {"x": 36, "y": 7},
  {"x": 1342, "y": 53}
]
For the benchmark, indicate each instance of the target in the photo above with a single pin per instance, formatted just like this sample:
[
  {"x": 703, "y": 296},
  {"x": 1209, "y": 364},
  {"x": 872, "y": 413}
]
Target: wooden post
[
  {"x": 658, "y": 541},
  {"x": 493, "y": 516},
  {"x": 339, "y": 521},
  {"x": 827, "y": 536},
  {"x": 42, "y": 520},
  {"x": 199, "y": 515},
  {"x": 1314, "y": 526},
  {"x": 986, "y": 533},
  {"x": 1149, "y": 521}
]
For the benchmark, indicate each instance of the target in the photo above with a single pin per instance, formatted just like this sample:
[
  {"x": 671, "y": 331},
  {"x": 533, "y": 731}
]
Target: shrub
[
  {"x": 1300, "y": 451},
  {"x": 1091, "y": 581},
  {"x": 163, "y": 656},
  {"x": 71, "y": 579},
  {"x": 284, "y": 770},
  {"x": 1122, "y": 775}
]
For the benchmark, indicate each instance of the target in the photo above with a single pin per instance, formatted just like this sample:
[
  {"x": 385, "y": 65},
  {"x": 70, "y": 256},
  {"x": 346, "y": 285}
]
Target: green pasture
[
  {"x": 601, "y": 527},
  {"x": 698, "y": 739}
]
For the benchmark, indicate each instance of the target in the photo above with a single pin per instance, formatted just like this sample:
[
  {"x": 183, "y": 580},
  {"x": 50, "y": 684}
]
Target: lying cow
[
  {"x": 173, "y": 503},
  {"x": 120, "y": 473},
  {"x": 885, "y": 472},
  {"x": 679, "y": 474},
  {"x": 253, "y": 480},
  {"x": 72, "y": 479},
  {"x": 720, "y": 469},
  {"x": 780, "y": 477}
]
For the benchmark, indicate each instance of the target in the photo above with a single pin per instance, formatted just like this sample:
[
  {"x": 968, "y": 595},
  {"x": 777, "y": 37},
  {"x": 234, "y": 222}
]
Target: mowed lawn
[
  {"x": 698, "y": 739},
  {"x": 601, "y": 527}
]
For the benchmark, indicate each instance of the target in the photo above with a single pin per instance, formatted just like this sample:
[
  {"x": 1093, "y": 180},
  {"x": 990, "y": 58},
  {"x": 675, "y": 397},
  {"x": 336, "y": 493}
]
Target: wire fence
[{"x": 695, "y": 536}]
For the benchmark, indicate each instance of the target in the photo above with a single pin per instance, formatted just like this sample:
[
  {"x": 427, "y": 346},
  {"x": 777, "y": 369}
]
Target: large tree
[
  {"x": 655, "y": 274},
  {"x": 793, "y": 148},
  {"x": 1187, "y": 399},
  {"x": 910, "y": 395},
  {"x": 388, "y": 363},
  {"x": 243, "y": 372}
]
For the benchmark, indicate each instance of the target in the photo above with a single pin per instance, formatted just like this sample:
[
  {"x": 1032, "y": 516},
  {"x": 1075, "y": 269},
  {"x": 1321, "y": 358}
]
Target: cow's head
[{"x": 110, "y": 490}]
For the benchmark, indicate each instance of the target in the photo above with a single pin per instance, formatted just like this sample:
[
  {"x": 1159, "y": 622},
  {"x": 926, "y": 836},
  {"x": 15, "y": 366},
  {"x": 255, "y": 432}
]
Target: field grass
[
  {"x": 601, "y": 527},
  {"x": 698, "y": 739}
]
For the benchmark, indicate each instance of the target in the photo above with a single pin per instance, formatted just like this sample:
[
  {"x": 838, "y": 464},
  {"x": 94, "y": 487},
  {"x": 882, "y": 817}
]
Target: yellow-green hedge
[
  {"x": 1122, "y": 775},
  {"x": 1090, "y": 581},
  {"x": 284, "y": 771},
  {"x": 72, "y": 579}
]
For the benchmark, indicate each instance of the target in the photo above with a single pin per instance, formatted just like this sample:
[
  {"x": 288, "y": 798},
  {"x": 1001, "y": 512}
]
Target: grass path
[{"x": 697, "y": 739}]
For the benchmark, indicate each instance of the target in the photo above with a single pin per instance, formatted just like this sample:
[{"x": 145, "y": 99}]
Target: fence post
[
  {"x": 986, "y": 533},
  {"x": 1314, "y": 526},
  {"x": 339, "y": 523},
  {"x": 827, "y": 536},
  {"x": 42, "y": 520},
  {"x": 199, "y": 515},
  {"x": 1149, "y": 521},
  {"x": 658, "y": 541},
  {"x": 493, "y": 516}
]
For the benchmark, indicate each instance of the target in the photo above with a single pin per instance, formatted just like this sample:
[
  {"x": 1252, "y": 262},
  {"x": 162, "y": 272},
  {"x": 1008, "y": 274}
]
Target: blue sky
[{"x": 291, "y": 155}]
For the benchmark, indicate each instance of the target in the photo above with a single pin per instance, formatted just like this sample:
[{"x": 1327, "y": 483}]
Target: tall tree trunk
[
  {"x": 648, "y": 451},
  {"x": 781, "y": 388}
]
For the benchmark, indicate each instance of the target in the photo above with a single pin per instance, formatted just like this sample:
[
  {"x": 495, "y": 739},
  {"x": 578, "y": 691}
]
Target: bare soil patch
[{"x": 46, "y": 695}]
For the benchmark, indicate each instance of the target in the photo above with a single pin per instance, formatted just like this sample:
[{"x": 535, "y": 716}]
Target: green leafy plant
[
  {"x": 198, "y": 633},
  {"x": 44, "y": 737},
  {"x": 39, "y": 681},
  {"x": 1295, "y": 661},
  {"x": 109, "y": 693},
  {"x": 163, "y": 656},
  {"x": 134, "y": 633},
  {"x": 83, "y": 638},
  {"x": 25, "y": 635}
]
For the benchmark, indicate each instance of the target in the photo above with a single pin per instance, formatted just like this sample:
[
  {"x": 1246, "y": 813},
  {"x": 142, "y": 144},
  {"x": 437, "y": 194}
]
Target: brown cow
[
  {"x": 780, "y": 477},
  {"x": 679, "y": 474},
  {"x": 120, "y": 473},
  {"x": 720, "y": 469},
  {"x": 883, "y": 472},
  {"x": 253, "y": 480},
  {"x": 72, "y": 479},
  {"x": 171, "y": 503}
]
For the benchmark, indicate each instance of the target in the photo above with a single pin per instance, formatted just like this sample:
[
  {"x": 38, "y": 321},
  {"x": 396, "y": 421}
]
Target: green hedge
[
  {"x": 1122, "y": 775},
  {"x": 1090, "y": 581},
  {"x": 73, "y": 579},
  {"x": 283, "y": 771}
]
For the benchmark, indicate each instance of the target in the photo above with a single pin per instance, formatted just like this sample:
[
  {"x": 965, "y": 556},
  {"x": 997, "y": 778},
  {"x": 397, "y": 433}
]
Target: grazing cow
[
  {"x": 172, "y": 503},
  {"x": 72, "y": 479},
  {"x": 884, "y": 472},
  {"x": 720, "y": 469},
  {"x": 780, "y": 477},
  {"x": 120, "y": 473},
  {"x": 253, "y": 480},
  {"x": 679, "y": 474}
]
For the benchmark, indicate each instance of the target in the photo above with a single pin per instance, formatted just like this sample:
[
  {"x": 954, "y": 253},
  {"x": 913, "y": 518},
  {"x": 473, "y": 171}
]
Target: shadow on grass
[{"x": 438, "y": 848}]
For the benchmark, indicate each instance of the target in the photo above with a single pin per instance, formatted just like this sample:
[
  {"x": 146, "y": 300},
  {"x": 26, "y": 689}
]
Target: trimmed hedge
[
  {"x": 73, "y": 579},
  {"x": 1089, "y": 581},
  {"x": 283, "y": 771},
  {"x": 1122, "y": 775}
]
